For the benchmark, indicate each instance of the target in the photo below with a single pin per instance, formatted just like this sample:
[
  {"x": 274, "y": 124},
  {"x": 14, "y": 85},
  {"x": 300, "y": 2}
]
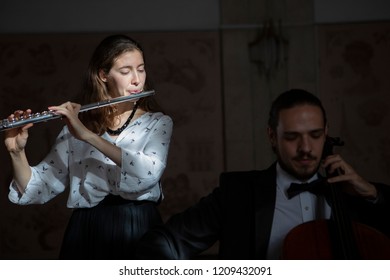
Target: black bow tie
[{"x": 315, "y": 187}]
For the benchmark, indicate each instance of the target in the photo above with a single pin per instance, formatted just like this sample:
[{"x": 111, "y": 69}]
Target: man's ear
[
  {"x": 102, "y": 75},
  {"x": 271, "y": 136}
]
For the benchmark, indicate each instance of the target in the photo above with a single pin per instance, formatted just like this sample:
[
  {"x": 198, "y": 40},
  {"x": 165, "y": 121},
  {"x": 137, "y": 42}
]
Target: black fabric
[
  {"x": 109, "y": 230},
  {"x": 239, "y": 214}
]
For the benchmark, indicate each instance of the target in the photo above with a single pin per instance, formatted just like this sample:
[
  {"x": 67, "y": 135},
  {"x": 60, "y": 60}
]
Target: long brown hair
[{"x": 95, "y": 90}]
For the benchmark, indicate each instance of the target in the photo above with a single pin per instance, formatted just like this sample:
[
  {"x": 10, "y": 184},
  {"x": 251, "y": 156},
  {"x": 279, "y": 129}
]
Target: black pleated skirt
[{"x": 109, "y": 230}]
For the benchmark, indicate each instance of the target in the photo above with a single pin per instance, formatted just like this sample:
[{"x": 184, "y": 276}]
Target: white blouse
[{"x": 91, "y": 175}]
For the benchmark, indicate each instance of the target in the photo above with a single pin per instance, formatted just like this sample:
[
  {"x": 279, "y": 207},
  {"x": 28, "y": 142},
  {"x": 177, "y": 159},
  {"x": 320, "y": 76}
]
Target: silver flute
[{"x": 50, "y": 115}]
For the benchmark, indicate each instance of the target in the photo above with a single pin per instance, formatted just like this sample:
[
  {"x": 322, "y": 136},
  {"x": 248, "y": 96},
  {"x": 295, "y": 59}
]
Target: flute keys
[
  {"x": 4, "y": 123},
  {"x": 25, "y": 119}
]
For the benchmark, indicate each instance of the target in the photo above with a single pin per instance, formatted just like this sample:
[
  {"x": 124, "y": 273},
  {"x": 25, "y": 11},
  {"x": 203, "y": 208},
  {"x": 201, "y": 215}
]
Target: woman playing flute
[{"x": 111, "y": 158}]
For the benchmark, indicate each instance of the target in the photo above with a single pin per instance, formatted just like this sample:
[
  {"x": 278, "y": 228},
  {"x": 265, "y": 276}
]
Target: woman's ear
[{"x": 102, "y": 75}]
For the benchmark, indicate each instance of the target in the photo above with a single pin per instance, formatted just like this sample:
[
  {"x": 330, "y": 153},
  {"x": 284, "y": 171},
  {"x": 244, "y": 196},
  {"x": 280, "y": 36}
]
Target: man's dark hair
[{"x": 290, "y": 99}]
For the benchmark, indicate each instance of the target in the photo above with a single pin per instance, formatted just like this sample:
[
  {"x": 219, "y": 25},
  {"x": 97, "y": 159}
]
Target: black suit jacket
[{"x": 239, "y": 215}]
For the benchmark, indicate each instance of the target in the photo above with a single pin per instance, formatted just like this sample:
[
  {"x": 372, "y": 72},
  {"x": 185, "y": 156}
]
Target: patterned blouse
[{"x": 91, "y": 175}]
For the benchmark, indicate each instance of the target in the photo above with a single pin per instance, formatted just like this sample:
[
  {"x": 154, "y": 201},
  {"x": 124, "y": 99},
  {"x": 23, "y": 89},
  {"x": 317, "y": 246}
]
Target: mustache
[{"x": 305, "y": 156}]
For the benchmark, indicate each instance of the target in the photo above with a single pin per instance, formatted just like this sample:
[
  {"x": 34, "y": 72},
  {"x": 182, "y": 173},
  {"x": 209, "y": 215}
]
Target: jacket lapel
[{"x": 264, "y": 185}]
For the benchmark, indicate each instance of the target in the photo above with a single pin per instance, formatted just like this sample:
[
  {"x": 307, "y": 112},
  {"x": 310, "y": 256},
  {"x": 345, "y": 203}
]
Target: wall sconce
[{"x": 269, "y": 50}]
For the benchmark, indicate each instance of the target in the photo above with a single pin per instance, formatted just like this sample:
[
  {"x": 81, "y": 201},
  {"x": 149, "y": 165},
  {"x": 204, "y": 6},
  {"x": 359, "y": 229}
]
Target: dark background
[{"x": 216, "y": 67}]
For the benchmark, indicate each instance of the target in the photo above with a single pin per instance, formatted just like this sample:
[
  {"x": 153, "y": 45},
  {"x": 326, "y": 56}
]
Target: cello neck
[{"x": 341, "y": 229}]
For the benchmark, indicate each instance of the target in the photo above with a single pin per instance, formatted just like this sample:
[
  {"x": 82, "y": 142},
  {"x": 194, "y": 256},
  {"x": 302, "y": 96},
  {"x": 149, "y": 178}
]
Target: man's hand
[{"x": 345, "y": 174}]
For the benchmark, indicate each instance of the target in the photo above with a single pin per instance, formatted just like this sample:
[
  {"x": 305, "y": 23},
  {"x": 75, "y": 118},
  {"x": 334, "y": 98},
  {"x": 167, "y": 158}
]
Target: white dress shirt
[
  {"x": 290, "y": 213},
  {"x": 91, "y": 175}
]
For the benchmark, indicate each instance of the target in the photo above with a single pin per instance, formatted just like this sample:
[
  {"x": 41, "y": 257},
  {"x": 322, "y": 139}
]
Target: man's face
[{"x": 299, "y": 140}]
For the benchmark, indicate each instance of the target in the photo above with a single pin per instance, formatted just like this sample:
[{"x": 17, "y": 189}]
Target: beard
[{"x": 302, "y": 173}]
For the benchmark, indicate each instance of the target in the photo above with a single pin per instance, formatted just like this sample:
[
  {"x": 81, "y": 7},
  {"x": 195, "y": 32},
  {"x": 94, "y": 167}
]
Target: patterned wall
[
  {"x": 41, "y": 70},
  {"x": 355, "y": 87}
]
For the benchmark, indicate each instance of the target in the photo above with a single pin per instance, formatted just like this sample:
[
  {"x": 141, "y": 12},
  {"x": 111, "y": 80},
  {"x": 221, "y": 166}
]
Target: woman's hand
[
  {"x": 70, "y": 111},
  {"x": 16, "y": 138}
]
